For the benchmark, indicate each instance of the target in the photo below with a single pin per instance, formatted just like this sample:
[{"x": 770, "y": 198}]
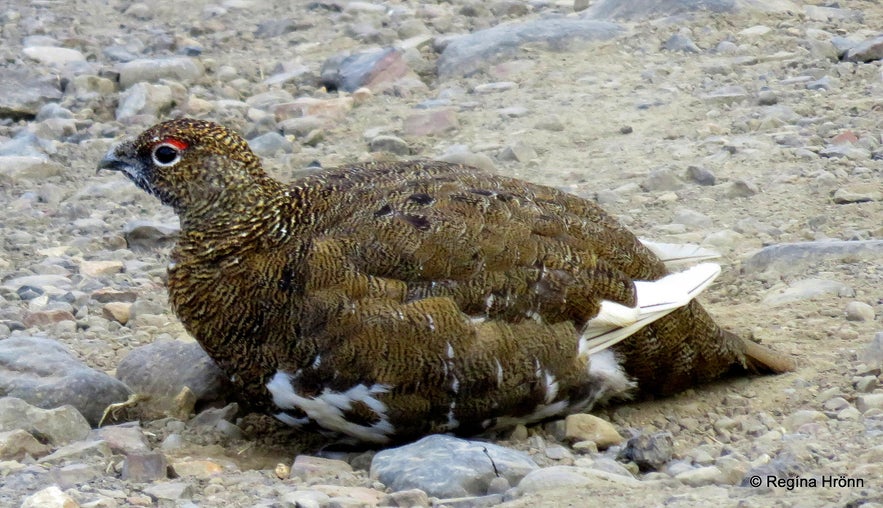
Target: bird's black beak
[
  {"x": 110, "y": 161},
  {"x": 118, "y": 159}
]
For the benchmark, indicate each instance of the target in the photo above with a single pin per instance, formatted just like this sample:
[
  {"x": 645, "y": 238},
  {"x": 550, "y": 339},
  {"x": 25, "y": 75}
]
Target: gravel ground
[{"x": 735, "y": 130}]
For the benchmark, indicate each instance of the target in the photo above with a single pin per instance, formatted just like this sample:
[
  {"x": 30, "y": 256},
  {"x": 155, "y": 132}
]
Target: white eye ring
[{"x": 165, "y": 155}]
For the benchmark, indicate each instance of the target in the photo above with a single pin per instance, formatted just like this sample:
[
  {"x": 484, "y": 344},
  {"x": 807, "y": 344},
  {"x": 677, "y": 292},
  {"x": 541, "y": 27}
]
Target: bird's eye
[{"x": 165, "y": 155}]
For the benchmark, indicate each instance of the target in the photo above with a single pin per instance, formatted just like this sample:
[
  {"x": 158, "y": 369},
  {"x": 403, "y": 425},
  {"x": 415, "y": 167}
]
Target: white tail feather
[
  {"x": 679, "y": 253},
  {"x": 616, "y": 322}
]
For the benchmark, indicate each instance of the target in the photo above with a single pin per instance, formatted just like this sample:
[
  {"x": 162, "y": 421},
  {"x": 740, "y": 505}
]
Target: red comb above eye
[{"x": 177, "y": 143}]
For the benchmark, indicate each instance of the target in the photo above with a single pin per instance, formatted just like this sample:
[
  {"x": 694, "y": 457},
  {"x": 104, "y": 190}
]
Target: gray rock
[
  {"x": 46, "y": 374},
  {"x": 611, "y": 466},
  {"x": 79, "y": 451},
  {"x": 499, "y": 86},
  {"x": 873, "y": 354},
  {"x": 845, "y": 151},
  {"x": 266, "y": 100},
  {"x": 550, "y": 123},
  {"x": 307, "y": 468},
  {"x": 649, "y": 451},
  {"x": 866, "y": 51},
  {"x": 430, "y": 122},
  {"x": 23, "y": 93},
  {"x": 708, "y": 475},
  {"x": 701, "y": 175},
  {"x": 125, "y": 438},
  {"x": 391, "y": 144},
  {"x": 796, "y": 256},
  {"x": 269, "y": 144},
  {"x": 301, "y": 126},
  {"x": 727, "y": 94},
  {"x": 308, "y": 499},
  {"x": 857, "y": 194},
  {"x": 17, "y": 444},
  {"x": 784, "y": 466},
  {"x": 71, "y": 475},
  {"x": 144, "y": 235},
  {"x": 211, "y": 417},
  {"x": 807, "y": 289},
  {"x": 57, "y": 426},
  {"x": 372, "y": 69},
  {"x": 866, "y": 384},
  {"x": 680, "y": 42},
  {"x": 53, "y": 110},
  {"x": 26, "y": 143},
  {"x": 18, "y": 169},
  {"x": 145, "y": 99},
  {"x": 146, "y": 466},
  {"x": 518, "y": 151},
  {"x": 859, "y": 311},
  {"x": 472, "y": 501},
  {"x": 50, "y": 497},
  {"x": 274, "y": 27},
  {"x": 691, "y": 218},
  {"x": 53, "y": 56},
  {"x": 868, "y": 401},
  {"x": 448, "y": 467},
  {"x": 828, "y": 14},
  {"x": 152, "y": 70},
  {"x": 663, "y": 179},
  {"x": 163, "y": 369},
  {"x": 823, "y": 83},
  {"x": 468, "y": 54},
  {"x": 801, "y": 417},
  {"x": 406, "y": 498},
  {"x": 741, "y": 189},
  {"x": 460, "y": 154},
  {"x": 172, "y": 491},
  {"x": 557, "y": 452},
  {"x": 635, "y": 10},
  {"x": 554, "y": 477}
]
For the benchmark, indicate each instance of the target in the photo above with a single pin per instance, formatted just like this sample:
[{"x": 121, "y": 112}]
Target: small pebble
[{"x": 859, "y": 311}]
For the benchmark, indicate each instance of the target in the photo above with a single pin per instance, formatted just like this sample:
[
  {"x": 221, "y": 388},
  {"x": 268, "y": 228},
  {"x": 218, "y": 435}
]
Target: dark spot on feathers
[
  {"x": 482, "y": 192},
  {"x": 421, "y": 198},
  {"x": 418, "y": 221},
  {"x": 383, "y": 211},
  {"x": 360, "y": 414}
]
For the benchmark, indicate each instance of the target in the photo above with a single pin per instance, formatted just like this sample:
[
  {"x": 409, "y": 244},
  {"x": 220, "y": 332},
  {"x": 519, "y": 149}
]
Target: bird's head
[{"x": 187, "y": 163}]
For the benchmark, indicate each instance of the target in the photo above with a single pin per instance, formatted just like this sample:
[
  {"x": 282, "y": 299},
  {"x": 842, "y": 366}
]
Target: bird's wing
[{"x": 503, "y": 249}]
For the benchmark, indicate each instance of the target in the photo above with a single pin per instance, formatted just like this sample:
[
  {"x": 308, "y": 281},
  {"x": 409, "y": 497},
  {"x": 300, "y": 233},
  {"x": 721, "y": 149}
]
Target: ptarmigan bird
[{"x": 386, "y": 301}]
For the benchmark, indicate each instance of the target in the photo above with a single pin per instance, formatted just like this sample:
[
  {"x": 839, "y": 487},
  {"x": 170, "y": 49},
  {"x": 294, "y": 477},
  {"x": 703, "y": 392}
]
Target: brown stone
[
  {"x": 307, "y": 466},
  {"x": 200, "y": 468},
  {"x": 47, "y": 317},
  {"x": 107, "y": 295},
  {"x": 17, "y": 444},
  {"x": 585, "y": 427},
  {"x": 120, "y": 312},
  {"x": 427, "y": 123},
  {"x": 100, "y": 268},
  {"x": 145, "y": 467}
]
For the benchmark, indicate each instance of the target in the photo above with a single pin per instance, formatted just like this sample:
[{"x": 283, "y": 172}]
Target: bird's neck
[{"x": 255, "y": 214}]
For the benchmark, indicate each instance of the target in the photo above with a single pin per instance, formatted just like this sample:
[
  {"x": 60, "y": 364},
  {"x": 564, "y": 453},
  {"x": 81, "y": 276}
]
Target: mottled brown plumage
[{"x": 390, "y": 300}]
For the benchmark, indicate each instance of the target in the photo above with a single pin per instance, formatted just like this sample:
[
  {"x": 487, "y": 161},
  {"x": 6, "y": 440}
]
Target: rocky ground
[{"x": 754, "y": 130}]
